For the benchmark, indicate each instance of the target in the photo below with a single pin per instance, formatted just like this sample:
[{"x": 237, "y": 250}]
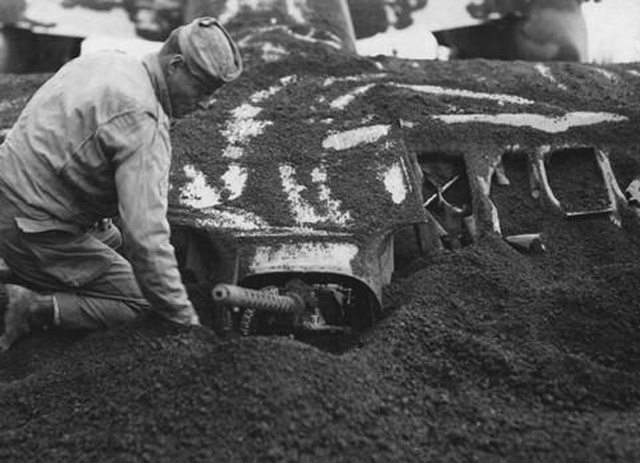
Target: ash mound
[{"x": 486, "y": 354}]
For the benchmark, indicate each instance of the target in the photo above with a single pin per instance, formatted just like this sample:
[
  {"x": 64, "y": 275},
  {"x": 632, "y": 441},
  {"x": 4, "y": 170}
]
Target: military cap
[{"x": 211, "y": 54}]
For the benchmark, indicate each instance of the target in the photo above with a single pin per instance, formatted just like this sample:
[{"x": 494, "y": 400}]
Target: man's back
[{"x": 57, "y": 163}]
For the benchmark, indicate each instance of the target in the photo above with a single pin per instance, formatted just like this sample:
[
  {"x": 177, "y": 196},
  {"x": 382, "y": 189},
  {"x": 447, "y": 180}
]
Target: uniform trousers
[{"x": 93, "y": 285}]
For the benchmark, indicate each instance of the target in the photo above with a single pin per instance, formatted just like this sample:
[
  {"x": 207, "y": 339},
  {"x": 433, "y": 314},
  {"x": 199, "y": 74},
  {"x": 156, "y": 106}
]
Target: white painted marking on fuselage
[
  {"x": 356, "y": 78},
  {"x": 233, "y": 219},
  {"x": 302, "y": 211},
  {"x": 241, "y": 128},
  {"x": 535, "y": 121},
  {"x": 319, "y": 177},
  {"x": 262, "y": 95},
  {"x": 197, "y": 193},
  {"x": 233, "y": 152},
  {"x": 290, "y": 79},
  {"x": 354, "y": 137},
  {"x": 344, "y": 100},
  {"x": 407, "y": 124},
  {"x": 335, "y": 257},
  {"x": 545, "y": 71},
  {"x": 235, "y": 179},
  {"x": 393, "y": 180},
  {"x": 437, "y": 90},
  {"x": 243, "y": 124},
  {"x": 272, "y": 53}
]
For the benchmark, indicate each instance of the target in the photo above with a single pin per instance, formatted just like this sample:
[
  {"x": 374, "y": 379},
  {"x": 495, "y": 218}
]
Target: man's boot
[{"x": 26, "y": 310}]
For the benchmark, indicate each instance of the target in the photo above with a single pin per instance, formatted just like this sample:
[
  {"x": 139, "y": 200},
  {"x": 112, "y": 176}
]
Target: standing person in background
[{"x": 93, "y": 142}]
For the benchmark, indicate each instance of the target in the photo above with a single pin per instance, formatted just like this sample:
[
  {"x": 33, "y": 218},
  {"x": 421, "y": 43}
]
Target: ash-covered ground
[{"x": 486, "y": 353}]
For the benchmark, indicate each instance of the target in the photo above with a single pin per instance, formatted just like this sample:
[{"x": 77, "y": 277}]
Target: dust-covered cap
[{"x": 209, "y": 51}]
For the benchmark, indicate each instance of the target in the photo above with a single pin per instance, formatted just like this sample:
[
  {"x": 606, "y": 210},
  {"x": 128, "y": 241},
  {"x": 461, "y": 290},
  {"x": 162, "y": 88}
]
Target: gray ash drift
[{"x": 490, "y": 355}]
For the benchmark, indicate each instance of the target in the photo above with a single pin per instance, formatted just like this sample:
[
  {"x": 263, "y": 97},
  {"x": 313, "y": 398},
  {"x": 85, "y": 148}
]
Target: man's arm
[{"x": 142, "y": 157}]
